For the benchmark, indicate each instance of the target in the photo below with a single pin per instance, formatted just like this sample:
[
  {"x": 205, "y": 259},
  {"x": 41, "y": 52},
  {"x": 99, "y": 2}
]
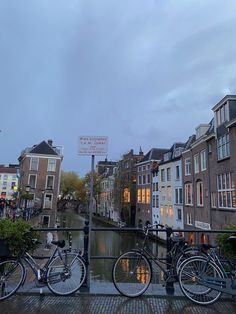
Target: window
[
  {"x": 178, "y": 196},
  {"x": 34, "y": 163},
  {"x": 179, "y": 214},
  {"x": 196, "y": 163},
  {"x": 144, "y": 179},
  {"x": 189, "y": 219},
  {"x": 52, "y": 165},
  {"x": 226, "y": 191},
  {"x": 169, "y": 193},
  {"x": 5, "y": 177},
  {"x": 203, "y": 160},
  {"x": 148, "y": 196},
  {"x": 4, "y": 185},
  {"x": 162, "y": 175},
  {"x": 157, "y": 201},
  {"x": 139, "y": 180},
  {"x": 213, "y": 200},
  {"x": 144, "y": 168},
  {"x": 188, "y": 194},
  {"x": 48, "y": 201},
  {"x": 148, "y": 178},
  {"x": 223, "y": 149},
  {"x": 168, "y": 174},
  {"x": 187, "y": 164},
  {"x": 50, "y": 182},
  {"x": 153, "y": 201},
  {"x": 222, "y": 114},
  {"x": 162, "y": 211},
  {"x": 199, "y": 193},
  {"x": 177, "y": 173},
  {"x": 32, "y": 181},
  {"x": 153, "y": 187},
  {"x": 143, "y": 196},
  {"x": 163, "y": 193},
  {"x": 139, "y": 168},
  {"x": 171, "y": 211}
]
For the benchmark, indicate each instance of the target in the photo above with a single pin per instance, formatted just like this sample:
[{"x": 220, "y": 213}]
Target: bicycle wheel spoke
[
  {"x": 65, "y": 276},
  {"x": 194, "y": 272},
  {"x": 131, "y": 274},
  {"x": 11, "y": 277}
]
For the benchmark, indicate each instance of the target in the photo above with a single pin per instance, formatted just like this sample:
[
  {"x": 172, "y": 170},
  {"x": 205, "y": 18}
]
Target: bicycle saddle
[{"x": 60, "y": 243}]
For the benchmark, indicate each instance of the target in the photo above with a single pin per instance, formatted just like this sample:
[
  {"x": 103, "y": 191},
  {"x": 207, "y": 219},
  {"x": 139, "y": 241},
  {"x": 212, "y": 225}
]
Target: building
[
  {"x": 9, "y": 175},
  {"x": 209, "y": 174},
  {"x": 146, "y": 188},
  {"x": 125, "y": 186},
  {"x": 40, "y": 169},
  {"x": 170, "y": 188}
]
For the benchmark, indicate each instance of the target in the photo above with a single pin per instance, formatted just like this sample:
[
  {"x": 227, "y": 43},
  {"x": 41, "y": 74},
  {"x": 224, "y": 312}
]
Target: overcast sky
[{"x": 142, "y": 72}]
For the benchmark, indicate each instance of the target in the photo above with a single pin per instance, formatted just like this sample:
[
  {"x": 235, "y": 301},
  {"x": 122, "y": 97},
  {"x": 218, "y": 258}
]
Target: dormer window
[{"x": 222, "y": 114}]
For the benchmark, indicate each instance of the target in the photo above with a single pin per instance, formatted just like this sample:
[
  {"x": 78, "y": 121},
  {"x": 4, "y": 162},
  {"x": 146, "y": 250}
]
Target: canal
[{"x": 105, "y": 243}]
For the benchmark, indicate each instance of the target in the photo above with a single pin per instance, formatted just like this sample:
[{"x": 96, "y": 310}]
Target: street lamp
[{"x": 42, "y": 199}]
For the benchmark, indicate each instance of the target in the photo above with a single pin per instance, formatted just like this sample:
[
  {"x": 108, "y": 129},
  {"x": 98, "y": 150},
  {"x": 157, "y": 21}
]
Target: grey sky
[{"x": 142, "y": 72}]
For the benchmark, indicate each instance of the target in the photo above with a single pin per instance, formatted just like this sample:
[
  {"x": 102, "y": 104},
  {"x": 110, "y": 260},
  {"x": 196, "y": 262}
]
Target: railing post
[
  {"x": 86, "y": 253},
  {"x": 169, "y": 284}
]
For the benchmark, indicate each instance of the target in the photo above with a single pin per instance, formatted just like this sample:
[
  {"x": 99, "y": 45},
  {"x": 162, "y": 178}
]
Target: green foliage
[
  {"x": 228, "y": 248},
  {"x": 18, "y": 236},
  {"x": 70, "y": 183}
]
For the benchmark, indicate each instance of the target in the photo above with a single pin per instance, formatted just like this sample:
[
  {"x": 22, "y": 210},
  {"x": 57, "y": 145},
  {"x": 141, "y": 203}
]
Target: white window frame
[
  {"x": 200, "y": 200},
  {"x": 203, "y": 160},
  {"x": 187, "y": 165},
  {"x": 52, "y": 163},
  {"x": 177, "y": 172},
  {"x": 223, "y": 147},
  {"x": 32, "y": 175},
  {"x": 196, "y": 163},
  {"x": 32, "y": 163},
  {"x": 188, "y": 188},
  {"x": 53, "y": 182},
  {"x": 189, "y": 219},
  {"x": 168, "y": 174},
  {"x": 226, "y": 191}
]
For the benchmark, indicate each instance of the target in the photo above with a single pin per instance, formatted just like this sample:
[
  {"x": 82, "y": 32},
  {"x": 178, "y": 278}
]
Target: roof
[
  {"x": 155, "y": 154},
  {"x": 44, "y": 149}
]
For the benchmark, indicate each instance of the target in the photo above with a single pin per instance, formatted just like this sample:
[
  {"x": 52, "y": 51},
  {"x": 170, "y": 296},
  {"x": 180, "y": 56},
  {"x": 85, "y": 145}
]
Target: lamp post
[
  {"x": 42, "y": 200},
  {"x": 27, "y": 189}
]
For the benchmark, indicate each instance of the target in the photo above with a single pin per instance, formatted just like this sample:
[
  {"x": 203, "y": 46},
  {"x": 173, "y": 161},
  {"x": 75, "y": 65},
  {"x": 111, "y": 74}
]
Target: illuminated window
[
  {"x": 171, "y": 211},
  {"x": 162, "y": 211},
  {"x": 126, "y": 195},
  {"x": 148, "y": 196},
  {"x": 143, "y": 196},
  {"x": 139, "y": 196}
]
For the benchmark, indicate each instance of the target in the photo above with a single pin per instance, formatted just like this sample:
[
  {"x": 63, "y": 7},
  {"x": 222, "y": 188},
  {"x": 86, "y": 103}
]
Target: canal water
[{"x": 105, "y": 243}]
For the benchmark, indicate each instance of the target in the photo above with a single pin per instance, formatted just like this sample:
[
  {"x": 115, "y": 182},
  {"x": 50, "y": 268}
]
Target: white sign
[
  {"x": 202, "y": 225},
  {"x": 93, "y": 145}
]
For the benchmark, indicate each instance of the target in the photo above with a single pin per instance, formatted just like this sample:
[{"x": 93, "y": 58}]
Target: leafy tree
[
  {"x": 70, "y": 183},
  {"x": 228, "y": 248}
]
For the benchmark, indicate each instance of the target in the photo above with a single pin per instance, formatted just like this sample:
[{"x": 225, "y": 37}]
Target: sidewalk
[{"x": 109, "y": 304}]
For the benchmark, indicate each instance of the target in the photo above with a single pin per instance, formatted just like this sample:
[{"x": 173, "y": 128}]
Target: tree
[
  {"x": 70, "y": 183},
  {"x": 228, "y": 248}
]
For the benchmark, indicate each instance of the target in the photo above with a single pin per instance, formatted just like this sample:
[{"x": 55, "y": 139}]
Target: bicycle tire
[
  {"x": 11, "y": 277},
  {"x": 192, "y": 274},
  {"x": 132, "y": 274},
  {"x": 66, "y": 274},
  {"x": 187, "y": 253}
]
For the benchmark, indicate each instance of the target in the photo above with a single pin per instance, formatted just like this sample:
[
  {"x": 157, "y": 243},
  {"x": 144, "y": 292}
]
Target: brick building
[{"x": 40, "y": 168}]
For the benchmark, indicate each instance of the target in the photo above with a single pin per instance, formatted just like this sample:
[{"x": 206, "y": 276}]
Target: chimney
[{"x": 50, "y": 142}]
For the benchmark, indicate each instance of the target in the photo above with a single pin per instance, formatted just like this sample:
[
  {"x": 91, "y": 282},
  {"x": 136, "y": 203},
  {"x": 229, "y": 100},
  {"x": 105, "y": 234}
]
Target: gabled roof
[
  {"x": 43, "y": 149},
  {"x": 155, "y": 154}
]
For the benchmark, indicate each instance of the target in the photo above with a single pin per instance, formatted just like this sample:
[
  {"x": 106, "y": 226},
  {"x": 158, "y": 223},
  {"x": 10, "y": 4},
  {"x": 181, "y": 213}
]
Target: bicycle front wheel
[
  {"x": 195, "y": 276},
  {"x": 66, "y": 274},
  {"x": 132, "y": 274},
  {"x": 11, "y": 277}
]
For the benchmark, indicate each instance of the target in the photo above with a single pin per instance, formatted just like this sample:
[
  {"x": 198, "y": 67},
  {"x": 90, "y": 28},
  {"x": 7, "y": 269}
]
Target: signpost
[{"x": 92, "y": 146}]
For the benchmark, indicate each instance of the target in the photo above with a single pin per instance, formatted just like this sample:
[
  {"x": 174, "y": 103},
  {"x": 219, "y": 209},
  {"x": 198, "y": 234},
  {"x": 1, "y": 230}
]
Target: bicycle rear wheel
[
  {"x": 66, "y": 274},
  {"x": 132, "y": 274},
  {"x": 11, "y": 277},
  {"x": 194, "y": 276}
]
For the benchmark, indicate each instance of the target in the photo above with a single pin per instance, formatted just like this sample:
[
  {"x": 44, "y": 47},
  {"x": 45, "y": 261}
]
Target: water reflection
[{"x": 104, "y": 243}]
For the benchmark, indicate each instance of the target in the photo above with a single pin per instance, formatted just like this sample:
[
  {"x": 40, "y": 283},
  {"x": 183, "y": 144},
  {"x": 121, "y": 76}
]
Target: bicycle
[
  {"x": 203, "y": 279},
  {"x": 63, "y": 273},
  {"x": 132, "y": 270}
]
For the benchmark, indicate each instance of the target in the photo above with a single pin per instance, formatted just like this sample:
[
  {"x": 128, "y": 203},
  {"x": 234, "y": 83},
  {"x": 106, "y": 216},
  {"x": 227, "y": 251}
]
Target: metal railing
[{"x": 86, "y": 255}]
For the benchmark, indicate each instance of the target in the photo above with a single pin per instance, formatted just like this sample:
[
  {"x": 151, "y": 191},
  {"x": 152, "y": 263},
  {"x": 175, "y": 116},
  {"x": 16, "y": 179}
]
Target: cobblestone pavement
[{"x": 89, "y": 304}]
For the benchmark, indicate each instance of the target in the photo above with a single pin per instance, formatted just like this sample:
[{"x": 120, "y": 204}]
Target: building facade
[{"x": 40, "y": 169}]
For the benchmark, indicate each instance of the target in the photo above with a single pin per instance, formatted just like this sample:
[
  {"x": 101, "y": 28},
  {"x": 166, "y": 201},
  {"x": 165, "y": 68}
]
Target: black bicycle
[
  {"x": 63, "y": 273},
  {"x": 132, "y": 270}
]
